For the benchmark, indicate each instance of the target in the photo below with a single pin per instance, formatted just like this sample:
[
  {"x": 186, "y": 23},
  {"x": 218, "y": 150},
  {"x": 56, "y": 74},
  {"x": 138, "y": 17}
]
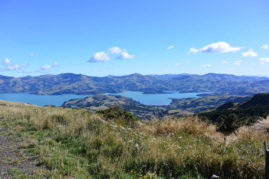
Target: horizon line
[{"x": 201, "y": 74}]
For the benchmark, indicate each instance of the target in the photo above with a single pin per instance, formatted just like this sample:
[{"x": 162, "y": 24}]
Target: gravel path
[{"x": 13, "y": 161}]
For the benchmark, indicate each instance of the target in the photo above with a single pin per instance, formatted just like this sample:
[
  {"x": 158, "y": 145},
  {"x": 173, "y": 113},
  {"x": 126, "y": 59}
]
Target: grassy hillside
[{"x": 74, "y": 143}]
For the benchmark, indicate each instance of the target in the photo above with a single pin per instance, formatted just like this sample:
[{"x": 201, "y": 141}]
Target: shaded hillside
[
  {"x": 256, "y": 101},
  {"x": 205, "y": 103},
  {"x": 82, "y": 84},
  {"x": 232, "y": 115}
]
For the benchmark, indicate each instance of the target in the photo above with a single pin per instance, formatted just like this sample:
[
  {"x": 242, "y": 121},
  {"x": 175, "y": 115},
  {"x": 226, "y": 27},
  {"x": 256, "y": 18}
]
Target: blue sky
[{"x": 98, "y": 37}]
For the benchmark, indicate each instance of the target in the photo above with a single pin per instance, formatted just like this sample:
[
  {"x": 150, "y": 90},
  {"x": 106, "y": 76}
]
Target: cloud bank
[{"x": 8, "y": 65}]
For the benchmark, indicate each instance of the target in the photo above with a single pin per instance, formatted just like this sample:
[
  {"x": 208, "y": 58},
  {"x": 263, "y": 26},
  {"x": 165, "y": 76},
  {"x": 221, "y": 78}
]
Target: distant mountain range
[{"x": 68, "y": 83}]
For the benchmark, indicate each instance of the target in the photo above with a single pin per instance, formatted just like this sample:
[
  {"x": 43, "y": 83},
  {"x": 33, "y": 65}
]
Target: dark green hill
[
  {"x": 228, "y": 105},
  {"x": 256, "y": 101}
]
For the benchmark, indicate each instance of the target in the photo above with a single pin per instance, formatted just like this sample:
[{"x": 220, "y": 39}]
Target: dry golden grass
[{"x": 188, "y": 124}]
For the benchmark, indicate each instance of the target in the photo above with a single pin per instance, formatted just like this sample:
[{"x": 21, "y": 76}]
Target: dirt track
[{"x": 13, "y": 161}]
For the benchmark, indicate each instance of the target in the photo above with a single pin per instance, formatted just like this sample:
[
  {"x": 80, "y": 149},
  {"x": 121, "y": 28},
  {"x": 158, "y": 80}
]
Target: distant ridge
[{"x": 82, "y": 84}]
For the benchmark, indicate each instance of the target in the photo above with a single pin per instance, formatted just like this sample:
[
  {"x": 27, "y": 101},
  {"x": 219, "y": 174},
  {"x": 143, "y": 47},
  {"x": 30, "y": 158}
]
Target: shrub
[{"x": 119, "y": 116}]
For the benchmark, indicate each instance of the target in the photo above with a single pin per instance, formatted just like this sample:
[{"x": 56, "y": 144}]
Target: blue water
[
  {"x": 156, "y": 99},
  {"x": 58, "y": 100},
  {"x": 40, "y": 100}
]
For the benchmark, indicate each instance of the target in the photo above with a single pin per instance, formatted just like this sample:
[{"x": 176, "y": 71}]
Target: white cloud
[
  {"x": 7, "y": 61},
  {"x": 122, "y": 54},
  {"x": 177, "y": 64},
  {"x": 170, "y": 47},
  {"x": 8, "y": 65},
  {"x": 25, "y": 65},
  {"x": 265, "y": 47},
  {"x": 31, "y": 54},
  {"x": 238, "y": 62},
  {"x": 26, "y": 71},
  {"x": 125, "y": 55},
  {"x": 193, "y": 50},
  {"x": 115, "y": 50},
  {"x": 99, "y": 57},
  {"x": 264, "y": 60},
  {"x": 206, "y": 66},
  {"x": 55, "y": 64},
  {"x": 46, "y": 67},
  {"x": 249, "y": 53},
  {"x": 219, "y": 47},
  {"x": 224, "y": 62}
]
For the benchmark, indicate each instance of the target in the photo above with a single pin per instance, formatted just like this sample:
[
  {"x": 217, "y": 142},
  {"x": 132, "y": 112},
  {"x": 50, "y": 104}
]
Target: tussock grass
[{"x": 75, "y": 143}]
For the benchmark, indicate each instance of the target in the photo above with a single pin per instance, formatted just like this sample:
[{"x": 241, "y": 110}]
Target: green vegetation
[
  {"x": 119, "y": 116},
  {"x": 74, "y": 143},
  {"x": 17, "y": 173}
]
